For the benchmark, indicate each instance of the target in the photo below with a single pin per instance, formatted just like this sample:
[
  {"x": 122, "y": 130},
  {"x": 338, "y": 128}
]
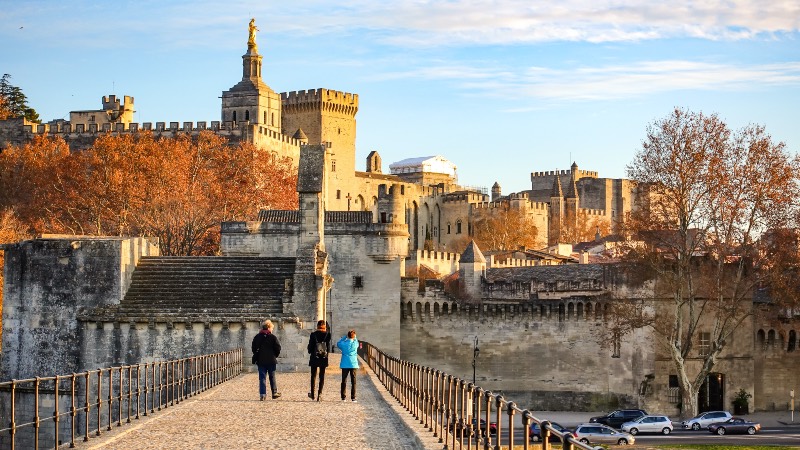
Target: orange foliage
[{"x": 177, "y": 189}]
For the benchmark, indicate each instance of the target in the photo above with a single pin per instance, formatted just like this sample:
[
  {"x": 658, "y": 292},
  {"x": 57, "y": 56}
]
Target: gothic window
[
  {"x": 247, "y": 115},
  {"x": 458, "y": 227},
  {"x": 704, "y": 346}
]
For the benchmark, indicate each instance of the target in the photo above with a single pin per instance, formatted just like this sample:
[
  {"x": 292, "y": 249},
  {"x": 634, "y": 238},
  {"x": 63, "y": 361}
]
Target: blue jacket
[{"x": 349, "y": 348}]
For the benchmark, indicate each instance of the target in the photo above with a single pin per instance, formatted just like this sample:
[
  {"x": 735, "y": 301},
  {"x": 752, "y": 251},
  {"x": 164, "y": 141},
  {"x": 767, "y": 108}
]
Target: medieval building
[{"x": 77, "y": 302}]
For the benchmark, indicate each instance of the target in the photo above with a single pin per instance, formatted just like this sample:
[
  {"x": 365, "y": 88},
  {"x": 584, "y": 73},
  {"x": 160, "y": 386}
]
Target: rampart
[
  {"x": 538, "y": 351},
  {"x": 551, "y": 173}
]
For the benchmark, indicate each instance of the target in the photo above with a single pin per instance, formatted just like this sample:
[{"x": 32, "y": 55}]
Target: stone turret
[
  {"x": 556, "y": 211},
  {"x": 374, "y": 162},
  {"x": 471, "y": 271},
  {"x": 496, "y": 191}
]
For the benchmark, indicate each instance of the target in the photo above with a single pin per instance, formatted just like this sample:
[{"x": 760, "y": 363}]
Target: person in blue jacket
[{"x": 349, "y": 363}]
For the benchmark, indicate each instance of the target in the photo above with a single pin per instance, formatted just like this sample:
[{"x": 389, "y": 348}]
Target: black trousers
[
  {"x": 314, "y": 378},
  {"x": 352, "y": 373}
]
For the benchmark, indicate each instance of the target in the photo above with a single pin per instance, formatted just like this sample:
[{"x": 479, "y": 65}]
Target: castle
[{"x": 76, "y": 302}]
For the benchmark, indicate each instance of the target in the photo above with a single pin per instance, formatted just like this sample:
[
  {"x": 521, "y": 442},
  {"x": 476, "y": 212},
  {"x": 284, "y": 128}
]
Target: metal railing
[
  {"x": 459, "y": 413},
  {"x": 86, "y": 403}
]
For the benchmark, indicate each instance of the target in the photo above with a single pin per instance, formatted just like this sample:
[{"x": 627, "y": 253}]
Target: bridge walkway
[{"x": 230, "y": 416}]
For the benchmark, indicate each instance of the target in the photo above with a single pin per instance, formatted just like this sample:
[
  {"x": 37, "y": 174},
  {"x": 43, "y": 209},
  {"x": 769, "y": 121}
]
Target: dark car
[
  {"x": 734, "y": 425},
  {"x": 617, "y": 418},
  {"x": 535, "y": 432}
]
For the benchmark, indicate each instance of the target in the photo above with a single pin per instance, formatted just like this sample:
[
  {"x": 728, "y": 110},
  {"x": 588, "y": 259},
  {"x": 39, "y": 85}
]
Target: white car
[
  {"x": 703, "y": 420},
  {"x": 648, "y": 424}
]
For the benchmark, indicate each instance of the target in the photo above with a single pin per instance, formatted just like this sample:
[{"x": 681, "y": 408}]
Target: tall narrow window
[
  {"x": 247, "y": 115},
  {"x": 234, "y": 116},
  {"x": 458, "y": 227},
  {"x": 338, "y": 194},
  {"x": 333, "y": 165},
  {"x": 705, "y": 343},
  {"x": 265, "y": 118}
]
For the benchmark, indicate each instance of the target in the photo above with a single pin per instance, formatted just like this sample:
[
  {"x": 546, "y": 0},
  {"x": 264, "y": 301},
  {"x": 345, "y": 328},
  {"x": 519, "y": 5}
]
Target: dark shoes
[
  {"x": 276, "y": 395},
  {"x": 311, "y": 395},
  {"x": 263, "y": 397}
]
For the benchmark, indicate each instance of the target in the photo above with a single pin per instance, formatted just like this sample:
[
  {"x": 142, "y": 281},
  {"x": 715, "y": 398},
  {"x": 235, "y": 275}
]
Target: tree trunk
[{"x": 689, "y": 408}]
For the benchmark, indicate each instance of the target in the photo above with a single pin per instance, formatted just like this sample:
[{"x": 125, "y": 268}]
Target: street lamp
[{"x": 475, "y": 352}]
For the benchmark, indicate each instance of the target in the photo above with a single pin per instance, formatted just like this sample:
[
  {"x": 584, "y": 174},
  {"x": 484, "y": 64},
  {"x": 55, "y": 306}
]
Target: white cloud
[{"x": 609, "y": 82}]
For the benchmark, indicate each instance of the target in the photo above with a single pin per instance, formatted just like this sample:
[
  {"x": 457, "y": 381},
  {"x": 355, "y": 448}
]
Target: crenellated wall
[{"x": 540, "y": 353}]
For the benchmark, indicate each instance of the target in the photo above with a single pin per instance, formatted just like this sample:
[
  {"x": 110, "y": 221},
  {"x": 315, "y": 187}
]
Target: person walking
[
  {"x": 349, "y": 363},
  {"x": 319, "y": 345},
  {"x": 266, "y": 349}
]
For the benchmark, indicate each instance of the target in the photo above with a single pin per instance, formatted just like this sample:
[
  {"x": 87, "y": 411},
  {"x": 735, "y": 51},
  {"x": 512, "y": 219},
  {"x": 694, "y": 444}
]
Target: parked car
[
  {"x": 535, "y": 432},
  {"x": 595, "y": 433},
  {"x": 735, "y": 425},
  {"x": 705, "y": 419},
  {"x": 648, "y": 424},
  {"x": 617, "y": 418}
]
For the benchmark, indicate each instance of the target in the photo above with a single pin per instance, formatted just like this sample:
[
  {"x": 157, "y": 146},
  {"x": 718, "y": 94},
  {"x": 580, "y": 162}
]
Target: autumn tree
[
  {"x": 711, "y": 194},
  {"x": 584, "y": 228},
  {"x": 504, "y": 228},
  {"x": 13, "y": 102},
  {"x": 136, "y": 184}
]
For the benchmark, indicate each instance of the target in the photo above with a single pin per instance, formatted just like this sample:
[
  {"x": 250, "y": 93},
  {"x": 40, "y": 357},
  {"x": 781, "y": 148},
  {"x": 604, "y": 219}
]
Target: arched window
[
  {"x": 561, "y": 312},
  {"x": 761, "y": 339},
  {"x": 570, "y": 311},
  {"x": 771, "y": 338},
  {"x": 588, "y": 310},
  {"x": 580, "y": 311}
]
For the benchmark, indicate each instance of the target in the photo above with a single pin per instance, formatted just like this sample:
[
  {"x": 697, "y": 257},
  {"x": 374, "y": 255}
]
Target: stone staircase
[{"x": 202, "y": 288}]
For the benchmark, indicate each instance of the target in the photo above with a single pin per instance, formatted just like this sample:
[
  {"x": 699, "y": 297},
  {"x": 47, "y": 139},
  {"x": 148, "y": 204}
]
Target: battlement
[
  {"x": 66, "y": 129},
  {"x": 494, "y": 263},
  {"x": 111, "y": 102},
  {"x": 593, "y": 212},
  {"x": 326, "y": 99},
  {"x": 552, "y": 173},
  {"x": 466, "y": 197},
  {"x": 502, "y": 204}
]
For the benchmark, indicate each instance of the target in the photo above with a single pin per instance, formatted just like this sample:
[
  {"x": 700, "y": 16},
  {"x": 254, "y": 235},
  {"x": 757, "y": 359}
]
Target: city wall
[{"x": 540, "y": 357}]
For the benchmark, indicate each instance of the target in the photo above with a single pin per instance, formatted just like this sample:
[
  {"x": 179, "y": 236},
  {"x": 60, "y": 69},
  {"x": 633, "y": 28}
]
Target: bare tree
[{"x": 710, "y": 195}]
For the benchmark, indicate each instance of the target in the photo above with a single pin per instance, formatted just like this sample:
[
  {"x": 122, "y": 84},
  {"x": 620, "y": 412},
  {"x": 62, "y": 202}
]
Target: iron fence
[
  {"x": 461, "y": 414},
  {"x": 51, "y": 411}
]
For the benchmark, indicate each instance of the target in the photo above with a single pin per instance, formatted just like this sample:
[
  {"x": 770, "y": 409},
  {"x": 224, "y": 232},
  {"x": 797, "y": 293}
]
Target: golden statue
[{"x": 251, "y": 40}]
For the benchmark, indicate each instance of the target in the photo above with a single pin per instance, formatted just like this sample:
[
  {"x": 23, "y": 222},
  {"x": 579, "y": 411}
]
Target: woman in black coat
[
  {"x": 266, "y": 349},
  {"x": 319, "y": 345}
]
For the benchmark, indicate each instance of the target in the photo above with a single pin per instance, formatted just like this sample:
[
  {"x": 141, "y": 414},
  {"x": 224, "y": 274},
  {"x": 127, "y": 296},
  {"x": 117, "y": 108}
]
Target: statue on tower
[{"x": 251, "y": 40}]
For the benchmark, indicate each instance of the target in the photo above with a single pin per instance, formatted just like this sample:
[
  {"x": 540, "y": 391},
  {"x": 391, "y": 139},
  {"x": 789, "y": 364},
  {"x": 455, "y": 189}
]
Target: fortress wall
[
  {"x": 542, "y": 363},
  {"x": 48, "y": 281},
  {"x": 777, "y": 362},
  {"x": 443, "y": 262},
  {"x": 370, "y": 309},
  {"x": 107, "y": 344}
]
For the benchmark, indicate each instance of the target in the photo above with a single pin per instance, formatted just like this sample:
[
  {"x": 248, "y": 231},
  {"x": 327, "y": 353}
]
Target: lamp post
[{"x": 475, "y": 352}]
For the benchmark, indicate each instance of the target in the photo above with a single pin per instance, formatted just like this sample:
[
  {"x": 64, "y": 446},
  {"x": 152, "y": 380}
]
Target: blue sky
[{"x": 501, "y": 88}]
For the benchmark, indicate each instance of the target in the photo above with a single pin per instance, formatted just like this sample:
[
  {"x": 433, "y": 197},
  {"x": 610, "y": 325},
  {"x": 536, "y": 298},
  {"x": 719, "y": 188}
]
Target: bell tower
[{"x": 251, "y": 100}]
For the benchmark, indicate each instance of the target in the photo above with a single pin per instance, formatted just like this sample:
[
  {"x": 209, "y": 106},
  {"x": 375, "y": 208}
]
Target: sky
[{"x": 501, "y": 88}]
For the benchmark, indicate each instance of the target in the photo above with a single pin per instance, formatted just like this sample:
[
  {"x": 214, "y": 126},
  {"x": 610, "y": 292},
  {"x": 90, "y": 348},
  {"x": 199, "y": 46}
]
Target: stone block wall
[{"x": 48, "y": 283}]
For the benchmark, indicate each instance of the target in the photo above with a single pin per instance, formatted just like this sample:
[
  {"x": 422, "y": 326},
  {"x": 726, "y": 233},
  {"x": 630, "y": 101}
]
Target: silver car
[
  {"x": 703, "y": 420},
  {"x": 648, "y": 424},
  {"x": 595, "y": 433}
]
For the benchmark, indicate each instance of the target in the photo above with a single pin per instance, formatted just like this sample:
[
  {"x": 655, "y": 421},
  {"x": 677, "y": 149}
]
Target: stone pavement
[{"x": 230, "y": 416}]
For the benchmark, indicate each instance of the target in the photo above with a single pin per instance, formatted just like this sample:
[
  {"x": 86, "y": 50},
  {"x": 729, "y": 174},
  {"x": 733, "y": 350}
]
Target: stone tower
[
  {"x": 570, "y": 219},
  {"x": 374, "y": 162},
  {"x": 251, "y": 100},
  {"x": 471, "y": 270},
  {"x": 556, "y": 212},
  {"x": 326, "y": 117},
  {"x": 496, "y": 191}
]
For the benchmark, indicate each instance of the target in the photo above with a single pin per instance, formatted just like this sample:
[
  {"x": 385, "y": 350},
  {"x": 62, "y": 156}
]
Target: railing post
[
  {"x": 139, "y": 387},
  {"x": 72, "y": 411},
  {"x": 526, "y": 427},
  {"x": 86, "y": 408},
  {"x": 512, "y": 409},
  {"x": 36, "y": 413},
  {"x": 499, "y": 407},
  {"x": 56, "y": 417},
  {"x": 12, "y": 425},
  {"x": 100, "y": 400}
]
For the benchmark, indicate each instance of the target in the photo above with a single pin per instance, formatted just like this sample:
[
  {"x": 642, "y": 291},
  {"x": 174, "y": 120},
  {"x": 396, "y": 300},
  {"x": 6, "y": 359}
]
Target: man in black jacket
[{"x": 266, "y": 350}]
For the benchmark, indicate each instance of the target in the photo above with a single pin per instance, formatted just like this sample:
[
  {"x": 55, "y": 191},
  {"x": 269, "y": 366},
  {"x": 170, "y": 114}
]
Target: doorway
[{"x": 712, "y": 393}]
